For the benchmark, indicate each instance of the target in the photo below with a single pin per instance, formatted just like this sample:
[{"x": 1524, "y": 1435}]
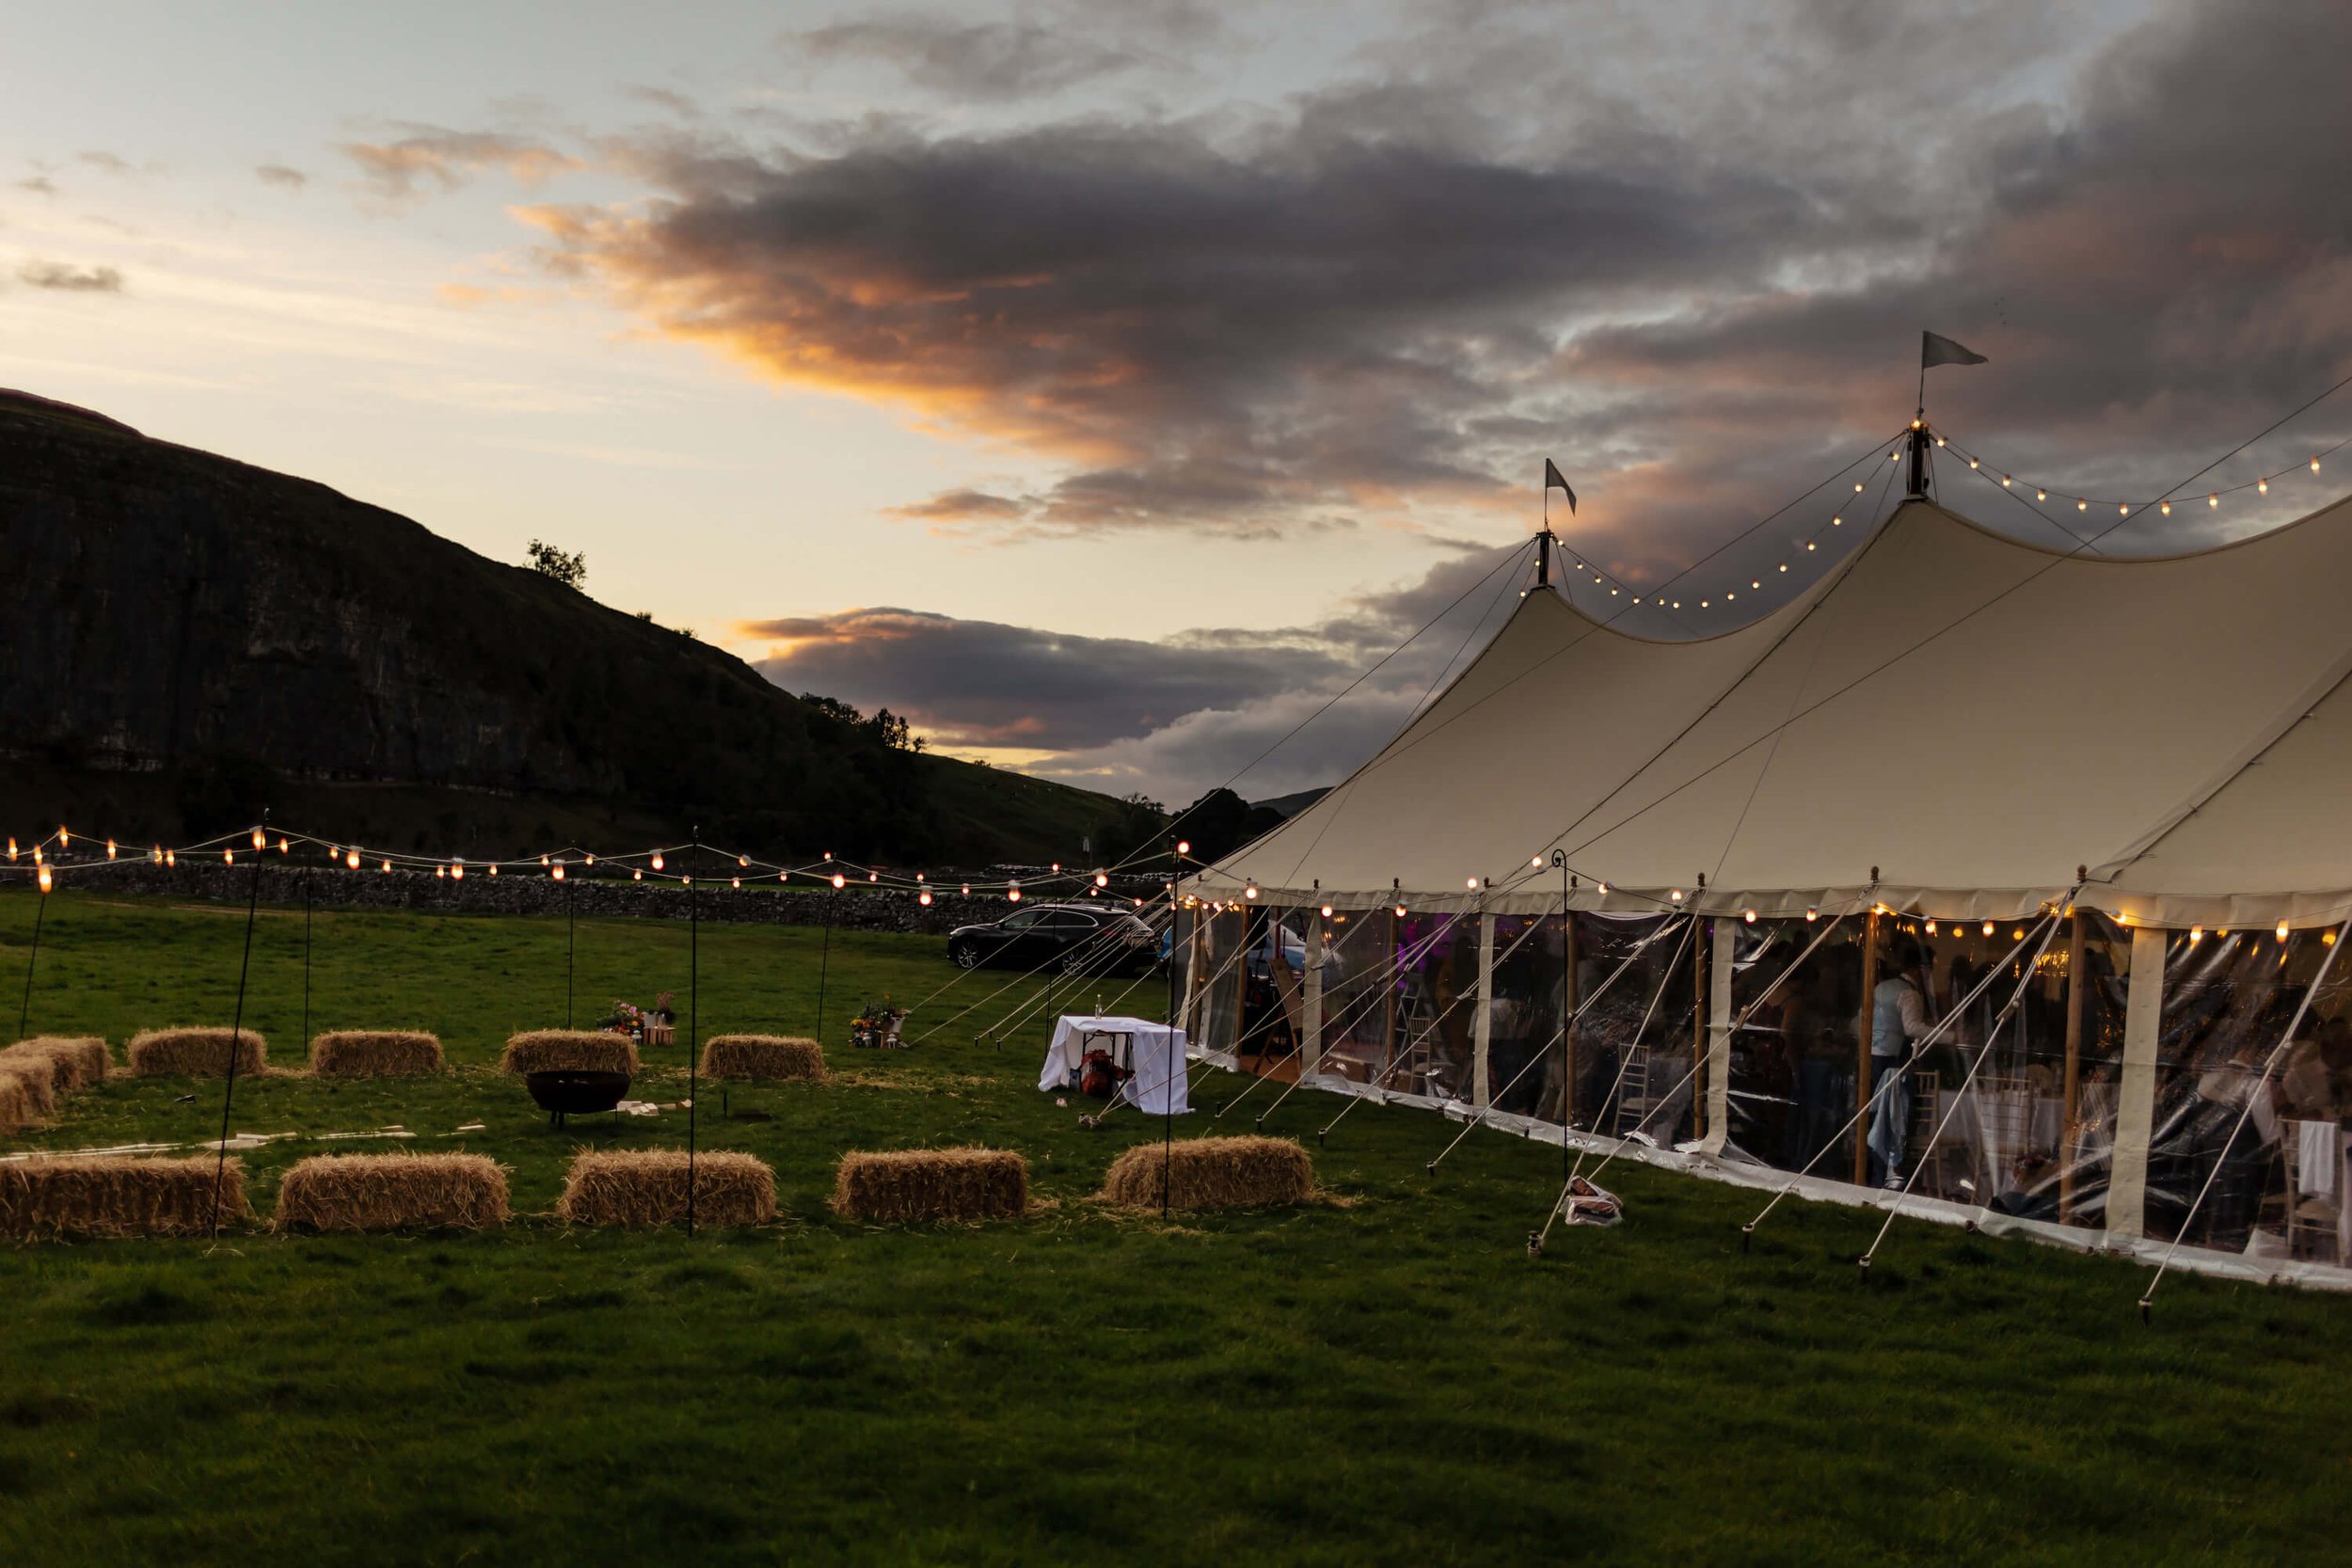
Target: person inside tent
[{"x": 1898, "y": 1016}]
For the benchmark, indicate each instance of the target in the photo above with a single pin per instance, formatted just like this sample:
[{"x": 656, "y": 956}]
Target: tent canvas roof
[{"x": 1974, "y": 716}]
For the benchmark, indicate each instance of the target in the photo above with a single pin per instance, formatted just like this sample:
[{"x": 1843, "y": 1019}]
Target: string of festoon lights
[
  {"x": 1811, "y": 544},
  {"x": 1671, "y": 598},
  {"x": 2259, "y": 485},
  {"x": 52, "y": 858}
]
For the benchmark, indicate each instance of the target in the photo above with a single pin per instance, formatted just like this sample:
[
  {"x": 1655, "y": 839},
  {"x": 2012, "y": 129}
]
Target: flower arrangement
[
  {"x": 876, "y": 1026},
  {"x": 623, "y": 1018}
]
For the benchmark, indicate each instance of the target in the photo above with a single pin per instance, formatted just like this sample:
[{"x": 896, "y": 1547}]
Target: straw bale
[
  {"x": 392, "y": 1192},
  {"x": 763, "y": 1056},
  {"x": 193, "y": 1052},
  {"x": 376, "y": 1053},
  {"x": 16, "y": 1100},
  {"x": 649, "y": 1188},
  {"x": 116, "y": 1195},
  {"x": 1212, "y": 1173},
  {"x": 569, "y": 1050},
  {"x": 28, "y": 1088},
  {"x": 931, "y": 1184},
  {"x": 74, "y": 1063}
]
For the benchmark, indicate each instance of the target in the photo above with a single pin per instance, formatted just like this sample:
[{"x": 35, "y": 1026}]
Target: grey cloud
[
  {"x": 976, "y": 60},
  {"x": 1170, "y": 717},
  {"x": 109, "y": 162},
  {"x": 1241, "y": 336},
  {"x": 70, "y": 279},
  {"x": 402, "y": 166},
  {"x": 39, "y": 184},
  {"x": 281, "y": 174}
]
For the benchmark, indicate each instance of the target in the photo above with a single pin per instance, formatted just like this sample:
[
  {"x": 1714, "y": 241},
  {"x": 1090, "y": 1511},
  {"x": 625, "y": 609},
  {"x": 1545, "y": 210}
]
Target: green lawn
[{"x": 1386, "y": 1378}]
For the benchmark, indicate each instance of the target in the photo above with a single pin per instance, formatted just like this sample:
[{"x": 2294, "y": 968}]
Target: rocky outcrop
[{"x": 166, "y": 610}]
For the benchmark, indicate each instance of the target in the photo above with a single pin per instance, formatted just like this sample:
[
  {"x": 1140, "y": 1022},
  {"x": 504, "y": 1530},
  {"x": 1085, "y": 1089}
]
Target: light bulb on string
[
  {"x": 386, "y": 867},
  {"x": 873, "y": 875},
  {"x": 1251, "y": 890},
  {"x": 284, "y": 847},
  {"x": 2005, "y": 482},
  {"x": 2214, "y": 499},
  {"x": 1184, "y": 847},
  {"x": 1012, "y": 893},
  {"x": 1326, "y": 911},
  {"x": 588, "y": 860},
  {"x": 2282, "y": 931},
  {"x": 656, "y": 860},
  {"x": 738, "y": 885},
  {"x": 2196, "y": 933},
  {"x": 2082, "y": 506},
  {"x": 45, "y": 879},
  {"x": 1812, "y": 915},
  {"x": 156, "y": 854},
  {"x": 228, "y": 856},
  {"x": 1750, "y": 917},
  {"x": 65, "y": 839},
  {"x": 967, "y": 890},
  {"x": 2041, "y": 495},
  {"x": 494, "y": 869},
  {"x": 261, "y": 840},
  {"x": 636, "y": 876},
  {"x": 2315, "y": 465},
  {"x": 839, "y": 880},
  {"x": 924, "y": 898},
  {"x": 110, "y": 848},
  {"x": 2165, "y": 507},
  {"x": 1058, "y": 868},
  {"x": 743, "y": 861},
  {"x": 1400, "y": 912},
  {"x": 458, "y": 870},
  {"x": 2262, "y": 486},
  {"x": 171, "y": 858},
  {"x": 556, "y": 872}
]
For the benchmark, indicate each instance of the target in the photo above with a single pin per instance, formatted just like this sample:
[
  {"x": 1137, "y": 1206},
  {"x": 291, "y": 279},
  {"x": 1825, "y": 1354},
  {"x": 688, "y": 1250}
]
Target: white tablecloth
[
  {"x": 1993, "y": 1139},
  {"x": 1153, "y": 1052}
]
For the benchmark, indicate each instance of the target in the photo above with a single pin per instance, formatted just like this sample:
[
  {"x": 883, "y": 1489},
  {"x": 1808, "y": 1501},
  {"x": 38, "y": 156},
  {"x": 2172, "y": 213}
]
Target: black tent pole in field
[
  {"x": 824, "y": 959},
  {"x": 24, "y": 1009},
  {"x": 1167, "y": 1084},
  {"x": 571, "y": 945},
  {"x": 305, "y": 957},
  {"x": 693, "y": 1013},
  {"x": 1568, "y": 985},
  {"x": 236, "y": 1027}
]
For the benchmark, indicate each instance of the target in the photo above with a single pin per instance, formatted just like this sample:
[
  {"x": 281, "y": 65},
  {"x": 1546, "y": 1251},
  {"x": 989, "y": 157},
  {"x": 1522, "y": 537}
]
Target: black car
[{"x": 1083, "y": 938}]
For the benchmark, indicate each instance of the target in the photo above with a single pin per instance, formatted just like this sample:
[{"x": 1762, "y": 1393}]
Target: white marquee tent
[{"x": 1952, "y": 726}]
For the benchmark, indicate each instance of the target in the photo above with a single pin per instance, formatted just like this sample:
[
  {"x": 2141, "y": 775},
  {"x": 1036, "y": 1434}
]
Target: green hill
[{"x": 188, "y": 638}]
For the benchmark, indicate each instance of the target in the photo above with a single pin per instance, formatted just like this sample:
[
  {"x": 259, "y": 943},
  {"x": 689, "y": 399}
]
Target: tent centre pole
[
  {"x": 2073, "y": 1066},
  {"x": 1862, "y": 1043}
]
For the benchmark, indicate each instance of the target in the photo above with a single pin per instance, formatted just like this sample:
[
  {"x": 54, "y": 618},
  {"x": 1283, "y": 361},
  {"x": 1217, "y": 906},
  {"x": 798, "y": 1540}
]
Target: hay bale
[
  {"x": 27, "y": 1093},
  {"x": 1211, "y": 1173},
  {"x": 193, "y": 1052},
  {"x": 73, "y": 1062},
  {"x": 392, "y": 1192},
  {"x": 16, "y": 1100},
  {"x": 931, "y": 1184},
  {"x": 767, "y": 1056},
  {"x": 649, "y": 1188},
  {"x": 569, "y": 1050},
  {"x": 376, "y": 1053},
  {"x": 104, "y": 1195}
]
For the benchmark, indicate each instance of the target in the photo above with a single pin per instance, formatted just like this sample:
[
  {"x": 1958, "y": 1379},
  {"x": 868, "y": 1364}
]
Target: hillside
[{"x": 188, "y": 638}]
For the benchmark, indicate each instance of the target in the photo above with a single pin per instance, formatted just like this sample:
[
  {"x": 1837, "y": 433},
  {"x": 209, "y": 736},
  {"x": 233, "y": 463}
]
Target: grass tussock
[
  {"x": 376, "y": 1053},
  {"x": 763, "y": 1056},
  {"x": 392, "y": 1192},
  {"x": 1211, "y": 1173},
  {"x": 568, "y": 1051},
  {"x": 904, "y": 1185},
  {"x": 194, "y": 1052},
  {"x": 73, "y": 1062},
  {"x": 116, "y": 1195},
  {"x": 649, "y": 1188}
]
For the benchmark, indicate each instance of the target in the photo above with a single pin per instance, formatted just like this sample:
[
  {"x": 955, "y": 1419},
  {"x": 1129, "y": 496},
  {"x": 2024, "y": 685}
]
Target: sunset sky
[{"x": 1106, "y": 384}]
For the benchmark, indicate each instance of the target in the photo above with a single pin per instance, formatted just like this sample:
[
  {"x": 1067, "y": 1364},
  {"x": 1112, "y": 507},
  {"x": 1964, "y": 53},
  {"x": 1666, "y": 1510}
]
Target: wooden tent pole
[
  {"x": 1862, "y": 1046},
  {"x": 1567, "y": 1025}
]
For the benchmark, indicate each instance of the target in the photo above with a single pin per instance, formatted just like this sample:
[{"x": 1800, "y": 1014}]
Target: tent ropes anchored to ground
[{"x": 1949, "y": 736}]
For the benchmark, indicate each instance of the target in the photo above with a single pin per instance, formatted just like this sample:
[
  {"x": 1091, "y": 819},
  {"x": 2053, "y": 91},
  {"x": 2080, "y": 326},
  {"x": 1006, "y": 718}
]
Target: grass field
[{"x": 1382, "y": 1379}]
